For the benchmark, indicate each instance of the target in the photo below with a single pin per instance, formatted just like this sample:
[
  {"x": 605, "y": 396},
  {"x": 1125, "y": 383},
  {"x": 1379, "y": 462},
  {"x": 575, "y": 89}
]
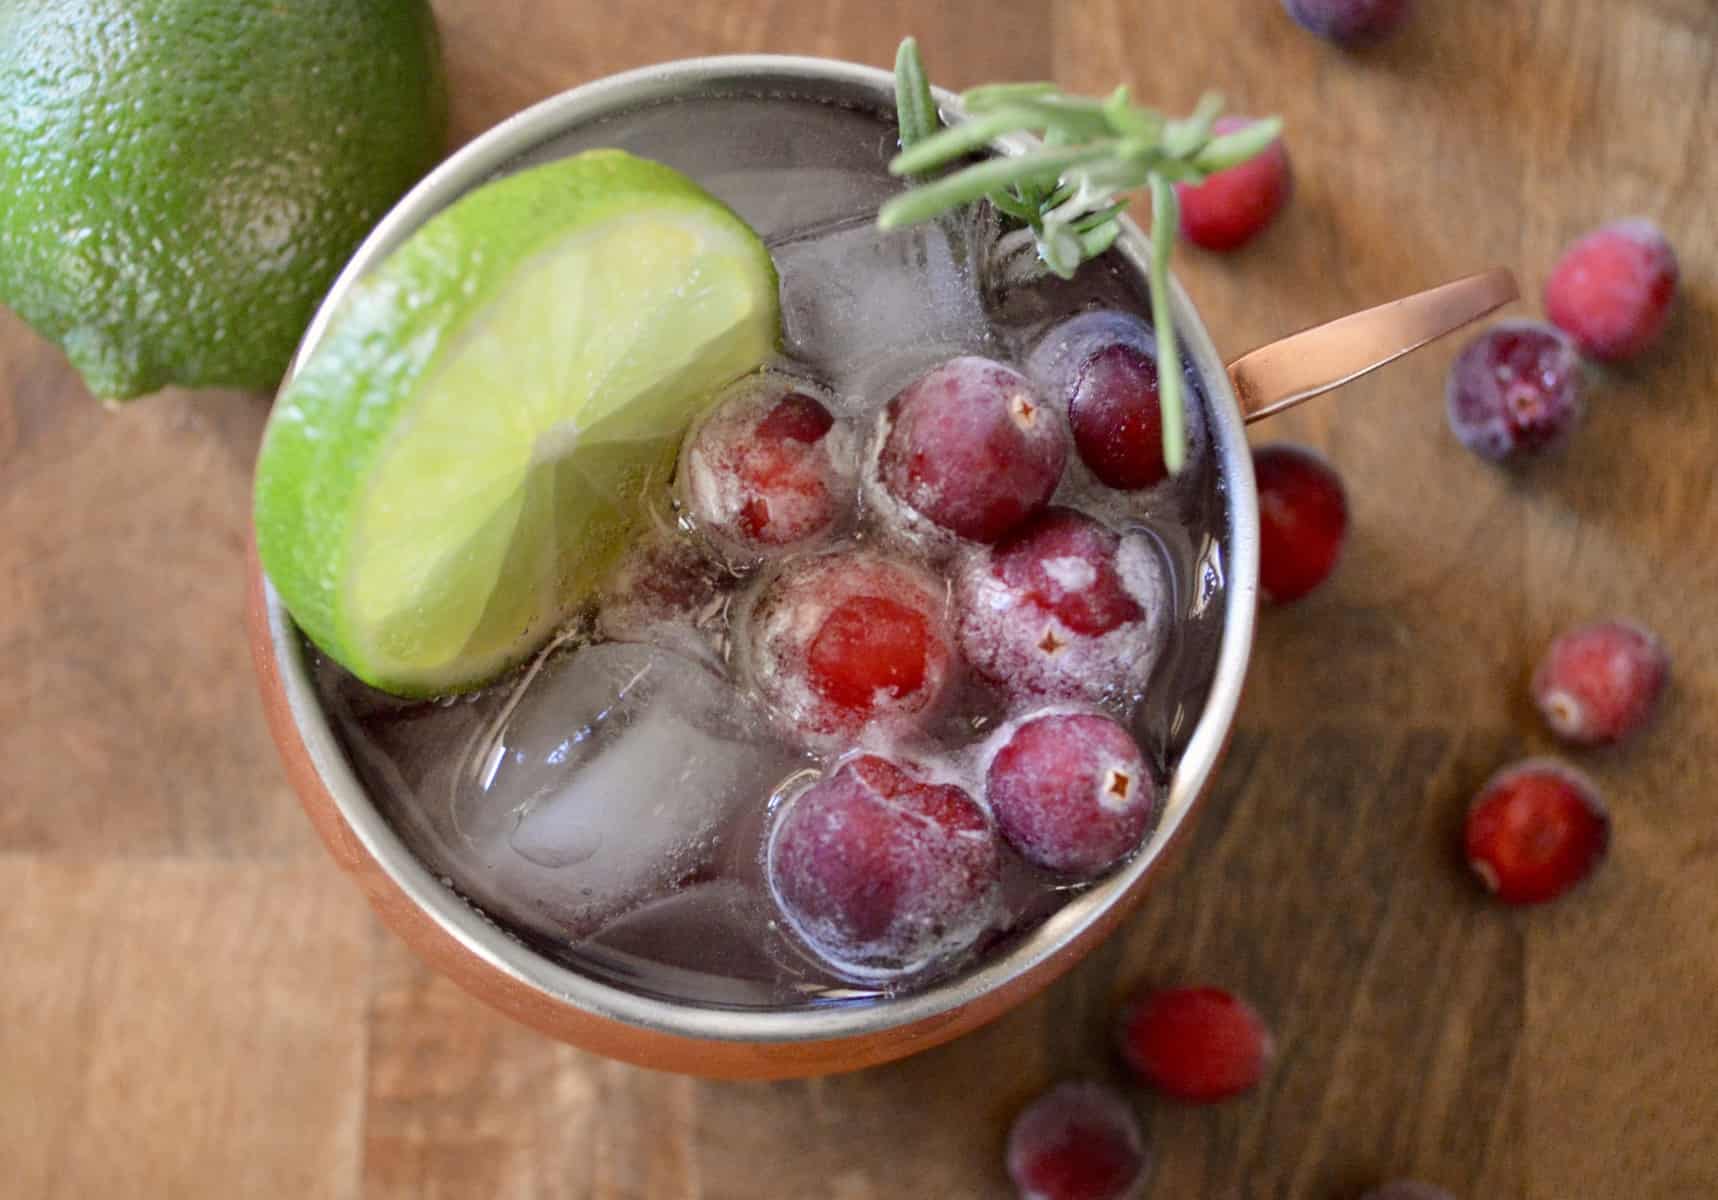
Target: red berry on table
[
  {"x": 1350, "y": 22},
  {"x": 1233, "y": 206},
  {"x": 1071, "y": 792},
  {"x": 768, "y": 469},
  {"x": 1535, "y": 830},
  {"x": 842, "y": 643},
  {"x": 1612, "y": 290},
  {"x": 1199, "y": 1044},
  {"x": 882, "y": 871},
  {"x": 1514, "y": 391},
  {"x": 1077, "y": 1141},
  {"x": 971, "y": 448},
  {"x": 1601, "y": 682},
  {"x": 1064, "y": 608},
  {"x": 1303, "y": 520}
]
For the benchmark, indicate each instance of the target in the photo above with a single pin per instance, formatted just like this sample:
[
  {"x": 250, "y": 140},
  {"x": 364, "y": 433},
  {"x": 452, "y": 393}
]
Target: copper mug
[{"x": 808, "y": 1040}]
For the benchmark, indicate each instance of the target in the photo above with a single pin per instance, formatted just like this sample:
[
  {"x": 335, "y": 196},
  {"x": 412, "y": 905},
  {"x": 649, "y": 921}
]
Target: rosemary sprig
[
  {"x": 915, "y": 107},
  {"x": 1068, "y": 193},
  {"x": 1165, "y": 218}
]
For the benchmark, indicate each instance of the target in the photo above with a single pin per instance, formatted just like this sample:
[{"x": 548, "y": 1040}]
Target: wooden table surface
[{"x": 193, "y": 1001}]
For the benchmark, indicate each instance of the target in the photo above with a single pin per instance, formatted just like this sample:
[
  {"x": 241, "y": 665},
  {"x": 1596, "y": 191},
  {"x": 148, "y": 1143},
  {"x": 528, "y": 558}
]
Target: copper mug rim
[{"x": 676, "y": 1035}]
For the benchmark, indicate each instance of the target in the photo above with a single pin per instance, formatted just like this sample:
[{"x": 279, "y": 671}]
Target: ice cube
[
  {"x": 870, "y": 310},
  {"x": 615, "y": 774}
]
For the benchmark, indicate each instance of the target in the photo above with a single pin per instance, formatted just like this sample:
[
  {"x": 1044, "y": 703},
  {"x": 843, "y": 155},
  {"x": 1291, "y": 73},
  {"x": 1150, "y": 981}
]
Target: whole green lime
[{"x": 184, "y": 178}]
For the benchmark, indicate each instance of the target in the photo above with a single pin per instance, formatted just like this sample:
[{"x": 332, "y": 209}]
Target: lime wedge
[{"x": 444, "y": 480}]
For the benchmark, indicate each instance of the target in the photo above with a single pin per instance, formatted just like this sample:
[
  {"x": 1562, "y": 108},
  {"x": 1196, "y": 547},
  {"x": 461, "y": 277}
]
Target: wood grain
[
  {"x": 195, "y": 1004},
  {"x": 1488, "y": 134},
  {"x": 180, "y": 1028},
  {"x": 126, "y": 716}
]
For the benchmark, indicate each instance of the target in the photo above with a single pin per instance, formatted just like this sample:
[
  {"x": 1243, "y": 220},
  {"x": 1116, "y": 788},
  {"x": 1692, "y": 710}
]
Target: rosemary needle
[{"x": 1069, "y": 193}]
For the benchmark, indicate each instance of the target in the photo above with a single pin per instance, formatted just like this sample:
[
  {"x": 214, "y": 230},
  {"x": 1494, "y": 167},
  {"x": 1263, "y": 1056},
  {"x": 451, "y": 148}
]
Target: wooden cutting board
[{"x": 195, "y": 1003}]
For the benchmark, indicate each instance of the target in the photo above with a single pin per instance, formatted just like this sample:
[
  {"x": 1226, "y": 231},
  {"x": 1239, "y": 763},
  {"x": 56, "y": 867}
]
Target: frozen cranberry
[
  {"x": 1199, "y": 1044},
  {"x": 663, "y": 590},
  {"x": 1535, "y": 830},
  {"x": 971, "y": 448},
  {"x": 1514, "y": 391},
  {"x": 659, "y": 578},
  {"x": 1407, "y": 1189},
  {"x": 1116, "y": 420},
  {"x": 1303, "y": 520},
  {"x": 1063, "y": 608},
  {"x": 1612, "y": 290},
  {"x": 1077, "y": 1141},
  {"x": 1350, "y": 22},
  {"x": 1102, "y": 367},
  {"x": 1232, "y": 207},
  {"x": 1071, "y": 792},
  {"x": 843, "y": 643},
  {"x": 882, "y": 871},
  {"x": 1601, "y": 682},
  {"x": 769, "y": 468}
]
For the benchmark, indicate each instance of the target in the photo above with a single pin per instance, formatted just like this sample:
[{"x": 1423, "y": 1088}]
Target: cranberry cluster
[{"x": 899, "y": 574}]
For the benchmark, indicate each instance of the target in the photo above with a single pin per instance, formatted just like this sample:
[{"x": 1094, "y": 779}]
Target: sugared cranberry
[
  {"x": 1077, "y": 1141},
  {"x": 1232, "y": 207},
  {"x": 971, "y": 448},
  {"x": 1102, "y": 367},
  {"x": 1514, "y": 391},
  {"x": 769, "y": 468},
  {"x": 1612, "y": 290},
  {"x": 1599, "y": 683},
  {"x": 843, "y": 643},
  {"x": 1198, "y": 1044},
  {"x": 1535, "y": 830},
  {"x": 1407, "y": 1189},
  {"x": 1071, "y": 792},
  {"x": 1063, "y": 608},
  {"x": 1350, "y": 22},
  {"x": 882, "y": 871},
  {"x": 1303, "y": 521}
]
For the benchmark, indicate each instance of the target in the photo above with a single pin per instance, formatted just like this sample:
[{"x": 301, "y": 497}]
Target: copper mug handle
[{"x": 1306, "y": 364}]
